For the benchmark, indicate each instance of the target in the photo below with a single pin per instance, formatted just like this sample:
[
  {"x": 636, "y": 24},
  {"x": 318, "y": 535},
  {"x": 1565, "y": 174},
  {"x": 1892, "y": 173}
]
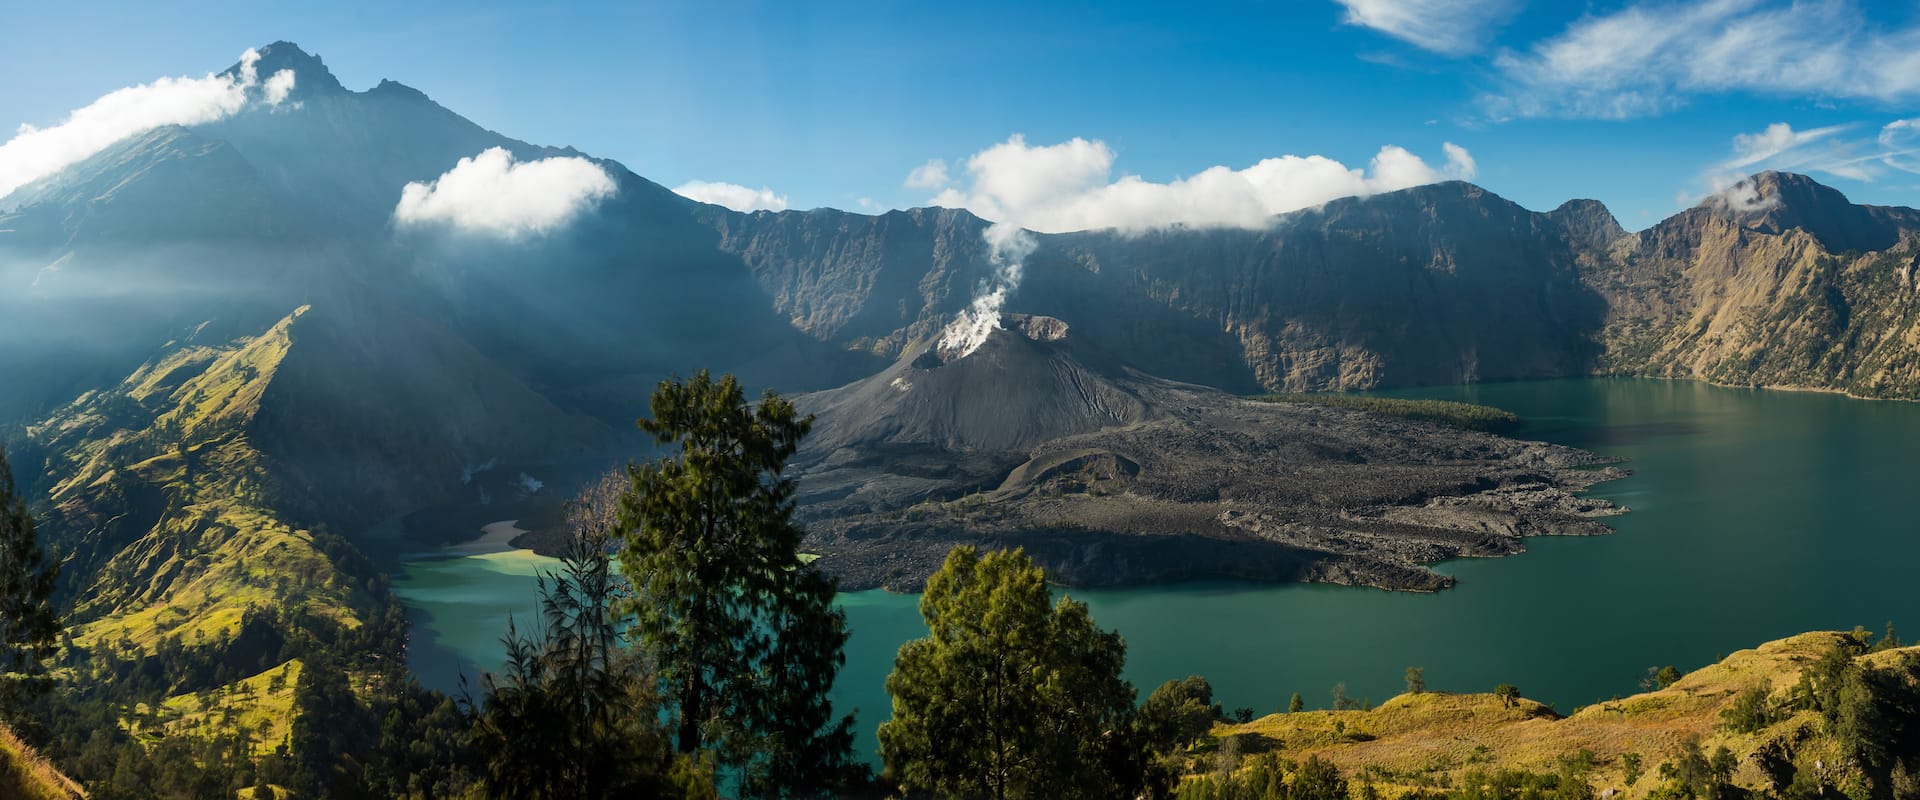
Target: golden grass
[
  {"x": 262, "y": 704},
  {"x": 24, "y": 775},
  {"x": 254, "y": 561},
  {"x": 1413, "y": 738}
]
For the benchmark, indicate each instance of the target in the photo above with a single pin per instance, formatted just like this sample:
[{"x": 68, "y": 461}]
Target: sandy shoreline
[{"x": 495, "y": 537}]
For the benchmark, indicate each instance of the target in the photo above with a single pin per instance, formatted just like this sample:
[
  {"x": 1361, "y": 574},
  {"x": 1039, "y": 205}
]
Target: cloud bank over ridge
[
  {"x": 34, "y": 153},
  {"x": 732, "y": 195},
  {"x": 1070, "y": 186}
]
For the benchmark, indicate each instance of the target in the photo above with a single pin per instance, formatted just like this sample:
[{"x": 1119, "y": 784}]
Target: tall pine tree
[
  {"x": 574, "y": 715},
  {"x": 28, "y": 625},
  {"x": 745, "y": 635}
]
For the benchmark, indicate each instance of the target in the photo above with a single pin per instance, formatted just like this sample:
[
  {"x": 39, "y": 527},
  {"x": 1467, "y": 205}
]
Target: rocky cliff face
[
  {"x": 1780, "y": 283},
  {"x": 1439, "y": 284}
]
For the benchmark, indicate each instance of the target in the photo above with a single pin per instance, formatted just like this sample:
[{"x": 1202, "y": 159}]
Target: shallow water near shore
[{"x": 1756, "y": 514}]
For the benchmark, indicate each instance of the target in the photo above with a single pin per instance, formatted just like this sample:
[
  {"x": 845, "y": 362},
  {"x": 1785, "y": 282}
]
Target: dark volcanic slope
[
  {"x": 1109, "y": 476},
  {"x": 1021, "y": 388}
]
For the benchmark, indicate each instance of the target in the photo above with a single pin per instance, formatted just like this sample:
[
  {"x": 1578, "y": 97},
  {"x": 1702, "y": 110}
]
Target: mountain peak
[
  {"x": 1776, "y": 202},
  {"x": 310, "y": 74},
  {"x": 1587, "y": 223}
]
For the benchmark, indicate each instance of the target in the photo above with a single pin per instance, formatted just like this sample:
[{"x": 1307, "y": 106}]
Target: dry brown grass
[
  {"x": 27, "y": 776},
  {"x": 1416, "y": 738}
]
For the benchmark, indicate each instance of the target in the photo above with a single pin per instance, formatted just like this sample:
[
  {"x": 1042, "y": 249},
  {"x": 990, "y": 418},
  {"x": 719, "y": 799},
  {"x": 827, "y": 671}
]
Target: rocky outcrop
[{"x": 1781, "y": 283}]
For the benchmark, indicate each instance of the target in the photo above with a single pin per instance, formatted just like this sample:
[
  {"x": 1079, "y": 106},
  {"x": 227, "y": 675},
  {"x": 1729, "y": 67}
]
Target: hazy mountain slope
[
  {"x": 145, "y": 241},
  {"x": 1806, "y": 290}
]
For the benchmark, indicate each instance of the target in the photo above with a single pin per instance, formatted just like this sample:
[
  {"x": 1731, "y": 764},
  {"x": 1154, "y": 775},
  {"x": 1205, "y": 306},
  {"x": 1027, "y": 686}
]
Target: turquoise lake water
[{"x": 1756, "y": 514}]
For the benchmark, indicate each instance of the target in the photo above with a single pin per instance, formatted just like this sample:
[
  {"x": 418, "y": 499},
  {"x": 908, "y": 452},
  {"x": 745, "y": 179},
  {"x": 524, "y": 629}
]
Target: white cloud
[
  {"x": 1778, "y": 138},
  {"x": 34, "y": 153},
  {"x": 491, "y": 194},
  {"x": 931, "y": 175},
  {"x": 1448, "y": 27},
  {"x": 1069, "y": 186},
  {"x": 1651, "y": 56},
  {"x": 276, "y": 89},
  {"x": 733, "y": 195},
  {"x": 1825, "y": 151},
  {"x": 1742, "y": 197},
  {"x": 1899, "y": 141}
]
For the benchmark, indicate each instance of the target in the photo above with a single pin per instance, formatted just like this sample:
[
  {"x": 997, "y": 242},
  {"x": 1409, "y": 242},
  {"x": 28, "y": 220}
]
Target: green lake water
[{"x": 1756, "y": 514}]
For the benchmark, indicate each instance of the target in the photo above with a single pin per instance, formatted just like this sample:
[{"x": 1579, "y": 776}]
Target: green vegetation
[
  {"x": 743, "y": 633},
  {"x": 1267, "y": 777},
  {"x": 1011, "y": 696},
  {"x": 1178, "y": 713},
  {"x": 1465, "y": 416},
  {"x": 1660, "y": 677},
  {"x": 575, "y": 714},
  {"x": 28, "y": 626}
]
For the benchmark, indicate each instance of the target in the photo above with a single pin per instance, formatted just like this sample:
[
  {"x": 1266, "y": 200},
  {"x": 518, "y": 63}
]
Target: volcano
[
  {"x": 1030, "y": 382},
  {"x": 1110, "y": 476}
]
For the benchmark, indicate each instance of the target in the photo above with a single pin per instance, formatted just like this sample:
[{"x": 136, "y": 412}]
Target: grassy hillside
[
  {"x": 196, "y": 590},
  {"x": 24, "y": 775},
  {"x": 259, "y": 706},
  {"x": 1754, "y": 704},
  {"x": 179, "y": 521}
]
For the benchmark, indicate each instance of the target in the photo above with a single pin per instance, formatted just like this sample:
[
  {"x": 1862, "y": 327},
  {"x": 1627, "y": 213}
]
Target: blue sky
[{"x": 1637, "y": 104}]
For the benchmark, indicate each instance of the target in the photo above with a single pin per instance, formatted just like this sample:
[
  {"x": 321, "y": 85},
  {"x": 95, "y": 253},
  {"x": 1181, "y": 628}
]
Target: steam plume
[{"x": 1008, "y": 247}]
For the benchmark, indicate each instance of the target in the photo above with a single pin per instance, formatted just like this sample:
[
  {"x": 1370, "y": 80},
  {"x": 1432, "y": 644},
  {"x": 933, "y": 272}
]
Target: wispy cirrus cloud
[
  {"x": 1448, "y": 27},
  {"x": 1851, "y": 152},
  {"x": 1651, "y": 57},
  {"x": 1070, "y": 186}
]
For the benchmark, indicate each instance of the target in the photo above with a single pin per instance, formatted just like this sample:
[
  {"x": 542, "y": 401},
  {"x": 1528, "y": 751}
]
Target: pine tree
[
  {"x": 1008, "y": 696},
  {"x": 28, "y": 625},
  {"x": 574, "y": 713},
  {"x": 745, "y": 635}
]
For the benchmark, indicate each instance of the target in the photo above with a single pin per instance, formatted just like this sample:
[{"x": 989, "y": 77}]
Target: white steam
[
  {"x": 492, "y": 195},
  {"x": 34, "y": 153},
  {"x": 1008, "y": 247}
]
